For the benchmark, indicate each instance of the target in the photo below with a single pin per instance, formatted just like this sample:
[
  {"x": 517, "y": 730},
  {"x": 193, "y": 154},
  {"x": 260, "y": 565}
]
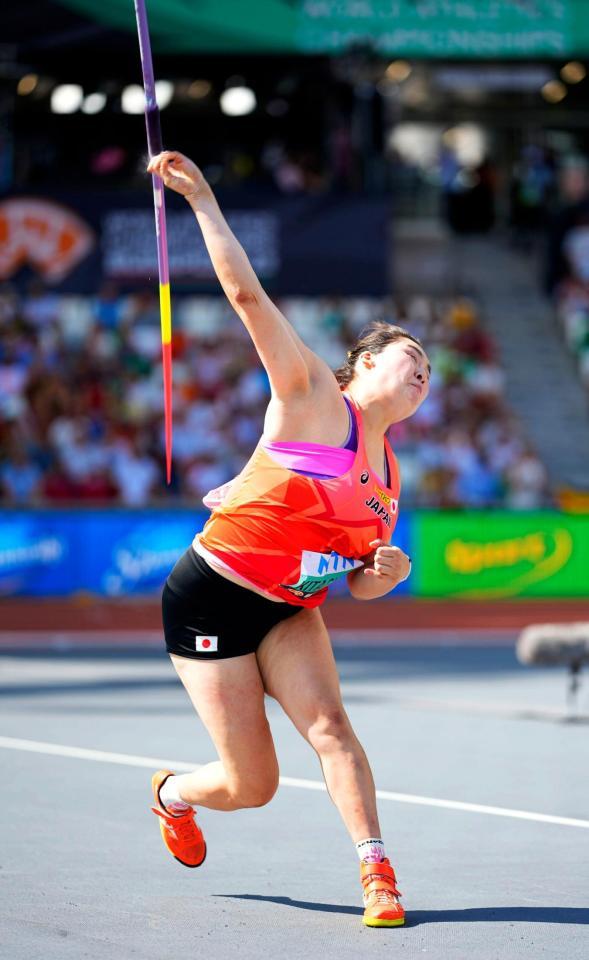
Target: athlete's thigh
[
  {"x": 298, "y": 669},
  {"x": 228, "y": 696}
]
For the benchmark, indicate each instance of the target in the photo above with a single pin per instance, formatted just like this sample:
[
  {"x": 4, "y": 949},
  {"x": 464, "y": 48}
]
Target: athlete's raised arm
[{"x": 290, "y": 364}]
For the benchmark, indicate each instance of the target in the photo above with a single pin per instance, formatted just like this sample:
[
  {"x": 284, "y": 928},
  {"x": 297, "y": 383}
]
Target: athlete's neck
[{"x": 376, "y": 416}]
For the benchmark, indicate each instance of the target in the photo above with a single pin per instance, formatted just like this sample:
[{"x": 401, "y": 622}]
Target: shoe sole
[
  {"x": 192, "y": 866},
  {"x": 375, "y": 922}
]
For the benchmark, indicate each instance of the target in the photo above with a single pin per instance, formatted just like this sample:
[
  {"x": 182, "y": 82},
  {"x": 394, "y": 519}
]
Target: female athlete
[{"x": 318, "y": 500}]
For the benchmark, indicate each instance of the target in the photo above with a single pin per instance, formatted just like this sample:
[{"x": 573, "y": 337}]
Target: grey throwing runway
[{"x": 484, "y": 809}]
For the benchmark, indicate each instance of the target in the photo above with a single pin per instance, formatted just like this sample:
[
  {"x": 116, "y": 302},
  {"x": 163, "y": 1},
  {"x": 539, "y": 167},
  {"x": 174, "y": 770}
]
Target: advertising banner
[
  {"x": 421, "y": 28},
  {"x": 485, "y": 555},
  {"x": 445, "y": 28},
  {"x": 110, "y": 553},
  {"x": 297, "y": 245},
  {"x": 137, "y": 550},
  {"x": 469, "y": 555},
  {"x": 130, "y": 253},
  {"x": 107, "y": 552},
  {"x": 47, "y": 236},
  {"x": 40, "y": 553}
]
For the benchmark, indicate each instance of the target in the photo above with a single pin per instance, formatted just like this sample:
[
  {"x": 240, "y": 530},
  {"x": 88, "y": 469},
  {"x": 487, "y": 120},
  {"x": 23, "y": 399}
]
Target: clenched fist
[
  {"x": 178, "y": 173},
  {"x": 387, "y": 563}
]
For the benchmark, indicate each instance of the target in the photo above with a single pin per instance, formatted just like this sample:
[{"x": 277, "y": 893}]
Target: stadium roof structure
[{"x": 429, "y": 29}]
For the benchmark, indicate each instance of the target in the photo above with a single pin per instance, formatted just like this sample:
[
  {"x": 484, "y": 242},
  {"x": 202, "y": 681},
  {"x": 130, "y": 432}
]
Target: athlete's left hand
[{"x": 387, "y": 563}]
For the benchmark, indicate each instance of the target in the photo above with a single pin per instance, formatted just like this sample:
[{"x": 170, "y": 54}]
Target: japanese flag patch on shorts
[{"x": 206, "y": 644}]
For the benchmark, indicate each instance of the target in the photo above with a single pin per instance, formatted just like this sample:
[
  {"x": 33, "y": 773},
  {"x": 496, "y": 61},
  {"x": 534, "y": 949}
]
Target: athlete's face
[{"x": 400, "y": 373}]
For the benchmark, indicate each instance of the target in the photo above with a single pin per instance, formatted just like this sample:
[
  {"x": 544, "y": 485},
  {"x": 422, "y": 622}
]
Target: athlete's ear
[{"x": 366, "y": 359}]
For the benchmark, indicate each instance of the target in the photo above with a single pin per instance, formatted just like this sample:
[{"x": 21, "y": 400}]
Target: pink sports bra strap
[{"x": 317, "y": 459}]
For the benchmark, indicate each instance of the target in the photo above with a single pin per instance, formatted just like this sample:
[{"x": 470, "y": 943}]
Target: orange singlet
[{"x": 292, "y": 535}]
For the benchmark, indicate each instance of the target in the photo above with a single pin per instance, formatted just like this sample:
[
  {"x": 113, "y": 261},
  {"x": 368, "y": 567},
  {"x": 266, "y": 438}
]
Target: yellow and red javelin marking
[
  {"x": 166, "y": 326},
  {"x": 166, "y": 314}
]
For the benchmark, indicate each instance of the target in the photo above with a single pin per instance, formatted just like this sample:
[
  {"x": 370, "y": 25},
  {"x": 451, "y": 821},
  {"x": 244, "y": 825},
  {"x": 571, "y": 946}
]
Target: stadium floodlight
[
  {"x": 67, "y": 98},
  {"x": 94, "y": 103},
  {"x": 573, "y": 72},
  {"x": 398, "y": 71},
  {"x": 238, "y": 101},
  {"x": 133, "y": 99},
  {"x": 469, "y": 143},
  {"x": 164, "y": 91},
  {"x": 27, "y": 84},
  {"x": 554, "y": 91}
]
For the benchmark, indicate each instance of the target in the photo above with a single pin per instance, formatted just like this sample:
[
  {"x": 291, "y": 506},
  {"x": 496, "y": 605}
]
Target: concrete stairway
[{"x": 542, "y": 383}]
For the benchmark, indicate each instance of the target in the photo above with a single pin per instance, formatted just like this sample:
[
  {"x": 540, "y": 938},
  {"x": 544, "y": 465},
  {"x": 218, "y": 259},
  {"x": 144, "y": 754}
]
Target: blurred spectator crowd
[
  {"x": 81, "y": 400},
  {"x": 568, "y": 262},
  {"x": 572, "y": 304},
  {"x": 566, "y": 267}
]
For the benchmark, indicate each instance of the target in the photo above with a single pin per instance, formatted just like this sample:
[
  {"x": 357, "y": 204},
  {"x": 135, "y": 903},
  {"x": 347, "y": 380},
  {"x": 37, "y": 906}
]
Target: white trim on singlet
[{"x": 219, "y": 565}]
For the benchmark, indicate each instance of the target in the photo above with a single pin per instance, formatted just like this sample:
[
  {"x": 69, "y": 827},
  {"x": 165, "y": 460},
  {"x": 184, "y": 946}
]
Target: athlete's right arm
[{"x": 290, "y": 364}]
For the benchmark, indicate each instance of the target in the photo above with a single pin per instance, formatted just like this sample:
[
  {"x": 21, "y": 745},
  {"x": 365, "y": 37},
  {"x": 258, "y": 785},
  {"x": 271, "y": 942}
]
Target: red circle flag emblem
[{"x": 206, "y": 644}]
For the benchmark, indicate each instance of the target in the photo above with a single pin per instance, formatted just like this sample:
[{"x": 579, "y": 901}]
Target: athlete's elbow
[
  {"x": 358, "y": 595},
  {"x": 242, "y": 297}
]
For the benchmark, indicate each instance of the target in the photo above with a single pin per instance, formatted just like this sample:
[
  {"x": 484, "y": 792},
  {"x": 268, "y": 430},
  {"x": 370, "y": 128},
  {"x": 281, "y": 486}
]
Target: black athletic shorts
[{"x": 207, "y": 617}]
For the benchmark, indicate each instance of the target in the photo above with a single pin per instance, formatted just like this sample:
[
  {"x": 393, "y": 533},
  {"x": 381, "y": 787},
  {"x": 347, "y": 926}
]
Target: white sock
[
  {"x": 371, "y": 850},
  {"x": 170, "y": 796}
]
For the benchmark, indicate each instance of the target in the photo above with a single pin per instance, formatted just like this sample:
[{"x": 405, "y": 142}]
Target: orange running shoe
[
  {"x": 179, "y": 832},
  {"x": 381, "y": 897}
]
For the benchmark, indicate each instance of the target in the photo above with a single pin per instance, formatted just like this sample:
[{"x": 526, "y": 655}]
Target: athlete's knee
[
  {"x": 331, "y": 730},
  {"x": 256, "y": 791}
]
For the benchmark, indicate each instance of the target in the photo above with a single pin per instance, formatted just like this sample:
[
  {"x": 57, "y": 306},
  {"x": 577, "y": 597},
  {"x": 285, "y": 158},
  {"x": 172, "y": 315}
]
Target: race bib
[{"x": 318, "y": 570}]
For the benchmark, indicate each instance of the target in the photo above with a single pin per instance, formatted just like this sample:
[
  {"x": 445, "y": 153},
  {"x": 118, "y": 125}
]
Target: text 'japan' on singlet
[{"x": 292, "y": 535}]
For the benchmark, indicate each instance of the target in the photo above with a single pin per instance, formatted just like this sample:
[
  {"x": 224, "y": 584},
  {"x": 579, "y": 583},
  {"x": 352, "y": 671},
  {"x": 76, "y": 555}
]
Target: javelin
[{"x": 154, "y": 146}]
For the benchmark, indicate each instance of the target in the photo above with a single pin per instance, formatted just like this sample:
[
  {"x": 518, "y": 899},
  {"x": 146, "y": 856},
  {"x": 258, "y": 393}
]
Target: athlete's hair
[{"x": 375, "y": 337}]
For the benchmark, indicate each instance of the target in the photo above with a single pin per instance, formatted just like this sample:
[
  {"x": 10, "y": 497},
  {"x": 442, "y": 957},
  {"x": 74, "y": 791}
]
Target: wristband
[{"x": 408, "y": 575}]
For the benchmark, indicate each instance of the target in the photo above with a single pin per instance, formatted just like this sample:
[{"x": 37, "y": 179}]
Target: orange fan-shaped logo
[{"x": 45, "y": 235}]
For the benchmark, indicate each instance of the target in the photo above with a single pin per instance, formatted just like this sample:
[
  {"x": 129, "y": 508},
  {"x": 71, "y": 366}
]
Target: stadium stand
[{"x": 81, "y": 399}]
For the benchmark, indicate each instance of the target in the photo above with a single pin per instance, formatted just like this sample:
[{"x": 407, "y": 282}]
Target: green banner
[
  {"x": 465, "y": 29},
  {"x": 484, "y": 555},
  {"x": 445, "y": 28}
]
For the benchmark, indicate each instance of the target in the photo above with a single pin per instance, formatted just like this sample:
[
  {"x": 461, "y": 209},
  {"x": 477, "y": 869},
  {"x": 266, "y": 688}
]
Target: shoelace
[
  {"x": 385, "y": 897},
  {"x": 184, "y": 831},
  {"x": 183, "y": 828}
]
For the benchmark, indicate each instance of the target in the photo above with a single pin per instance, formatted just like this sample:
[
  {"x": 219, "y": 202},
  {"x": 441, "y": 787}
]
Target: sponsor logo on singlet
[
  {"x": 318, "y": 570},
  {"x": 384, "y": 497}
]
